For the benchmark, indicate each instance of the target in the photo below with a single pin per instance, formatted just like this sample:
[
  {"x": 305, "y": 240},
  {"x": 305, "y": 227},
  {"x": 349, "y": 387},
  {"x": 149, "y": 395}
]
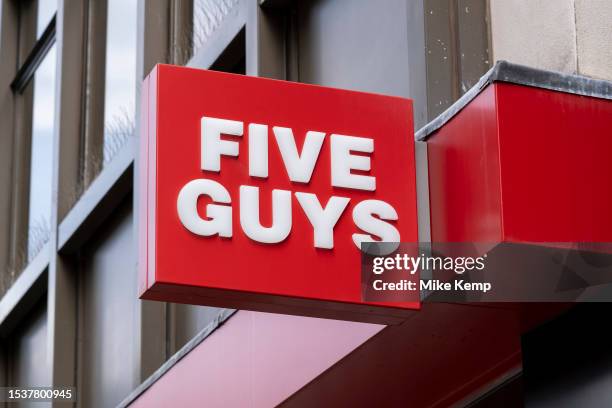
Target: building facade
[{"x": 70, "y": 77}]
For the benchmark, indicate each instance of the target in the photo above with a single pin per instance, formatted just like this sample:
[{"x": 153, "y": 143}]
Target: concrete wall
[
  {"x": 594, "y": 37},
  {"x": 572, "y": 36}
]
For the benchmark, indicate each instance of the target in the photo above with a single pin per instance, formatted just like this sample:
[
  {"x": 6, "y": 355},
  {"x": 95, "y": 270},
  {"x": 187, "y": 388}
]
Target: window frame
[{"x": 31, "y": 53}]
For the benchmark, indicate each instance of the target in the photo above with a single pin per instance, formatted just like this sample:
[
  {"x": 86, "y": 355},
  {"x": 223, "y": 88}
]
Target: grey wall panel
[
  {"x": 442, "y": 76},
  {"x": 472, "y": 42},
  {"x": 355, "y": 44},
  {"x": 107, "y": 322},
  {"x": 27, "y": 350}
]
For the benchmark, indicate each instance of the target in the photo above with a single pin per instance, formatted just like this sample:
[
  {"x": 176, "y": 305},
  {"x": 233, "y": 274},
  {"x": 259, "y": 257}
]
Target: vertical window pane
[
  {"x": 207, "y": 15},
  {"x": 41, "y": 168},
  {"x": 46, "y": 10},
  {"x": 120, "y": 86}
]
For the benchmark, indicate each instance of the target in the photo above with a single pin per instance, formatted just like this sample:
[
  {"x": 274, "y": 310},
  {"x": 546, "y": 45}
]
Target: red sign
[{"x": 257, "y": 193}]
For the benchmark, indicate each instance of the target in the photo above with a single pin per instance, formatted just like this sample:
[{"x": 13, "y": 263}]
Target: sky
[
  {"x": 120, "y": 91},
  {"x": 120, "y": 86}
]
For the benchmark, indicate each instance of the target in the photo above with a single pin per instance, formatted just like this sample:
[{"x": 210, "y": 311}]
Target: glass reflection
[
  {"x": 44, "y": 14},
  {"x": 120, "y": 85},
  {"x": 207, "y": 16},
  {"x": 41, "y": 169}
]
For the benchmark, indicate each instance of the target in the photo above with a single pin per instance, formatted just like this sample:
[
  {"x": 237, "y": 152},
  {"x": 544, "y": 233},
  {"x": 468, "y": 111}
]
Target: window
[
  {"x": 41, "y": 156},
  {"x": 120, "y": 76},
  {"x": 45, "y": 12},
  {"x": 207, "y": 16},
  {"x": 34, "y": 90}
]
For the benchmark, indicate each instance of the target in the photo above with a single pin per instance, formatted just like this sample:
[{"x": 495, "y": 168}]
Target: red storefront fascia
[{"x": 521, "y": 158}]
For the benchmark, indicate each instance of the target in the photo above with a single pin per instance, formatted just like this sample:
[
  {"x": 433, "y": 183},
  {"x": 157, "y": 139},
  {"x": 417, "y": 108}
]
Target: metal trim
[
  {"x": 219, "y": 320},
  {"x": 97, "y": 202},
  {"x": 504, "y": 71},
  {"x": 29, "y": 284},
  {"x": 35, "y": 58},
  {"x": 480, "y": 395},
  {"x": 220, "y": 39}
]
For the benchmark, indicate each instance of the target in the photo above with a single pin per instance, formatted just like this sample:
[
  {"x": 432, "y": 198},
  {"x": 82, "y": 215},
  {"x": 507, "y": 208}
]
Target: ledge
[
  {"x": 220, "y": 38},
  {"x": 172, "y": 361},
  {"x": 504, "y": 71},
  {"x": 98, "y": 201},
  {"x": 25, "y": 291}
]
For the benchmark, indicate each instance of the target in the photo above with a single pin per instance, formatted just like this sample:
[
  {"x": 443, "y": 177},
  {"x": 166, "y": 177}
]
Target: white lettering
[
  {"x": 220, "y": 221},
  {"x": 212, "y": 146},
  {"x": 299, "y": 166},
  {"x": 364, "y": 217},
  {"x": 258, "y": 150},
  {"x": 281, "y": 215},
  {"x": 323, "y": 220},
  {"x": 343, "y": 162}
]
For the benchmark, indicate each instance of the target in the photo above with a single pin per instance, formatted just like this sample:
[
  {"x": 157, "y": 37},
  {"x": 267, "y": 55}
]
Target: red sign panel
[{"x": 257, "y": 193}]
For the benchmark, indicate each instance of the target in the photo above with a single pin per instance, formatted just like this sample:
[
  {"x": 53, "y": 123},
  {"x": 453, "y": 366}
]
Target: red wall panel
[
  {"x": 555, "y": 165},
  {"x": 464, "y": 179},
  {"x": 523, "y": 164}
]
